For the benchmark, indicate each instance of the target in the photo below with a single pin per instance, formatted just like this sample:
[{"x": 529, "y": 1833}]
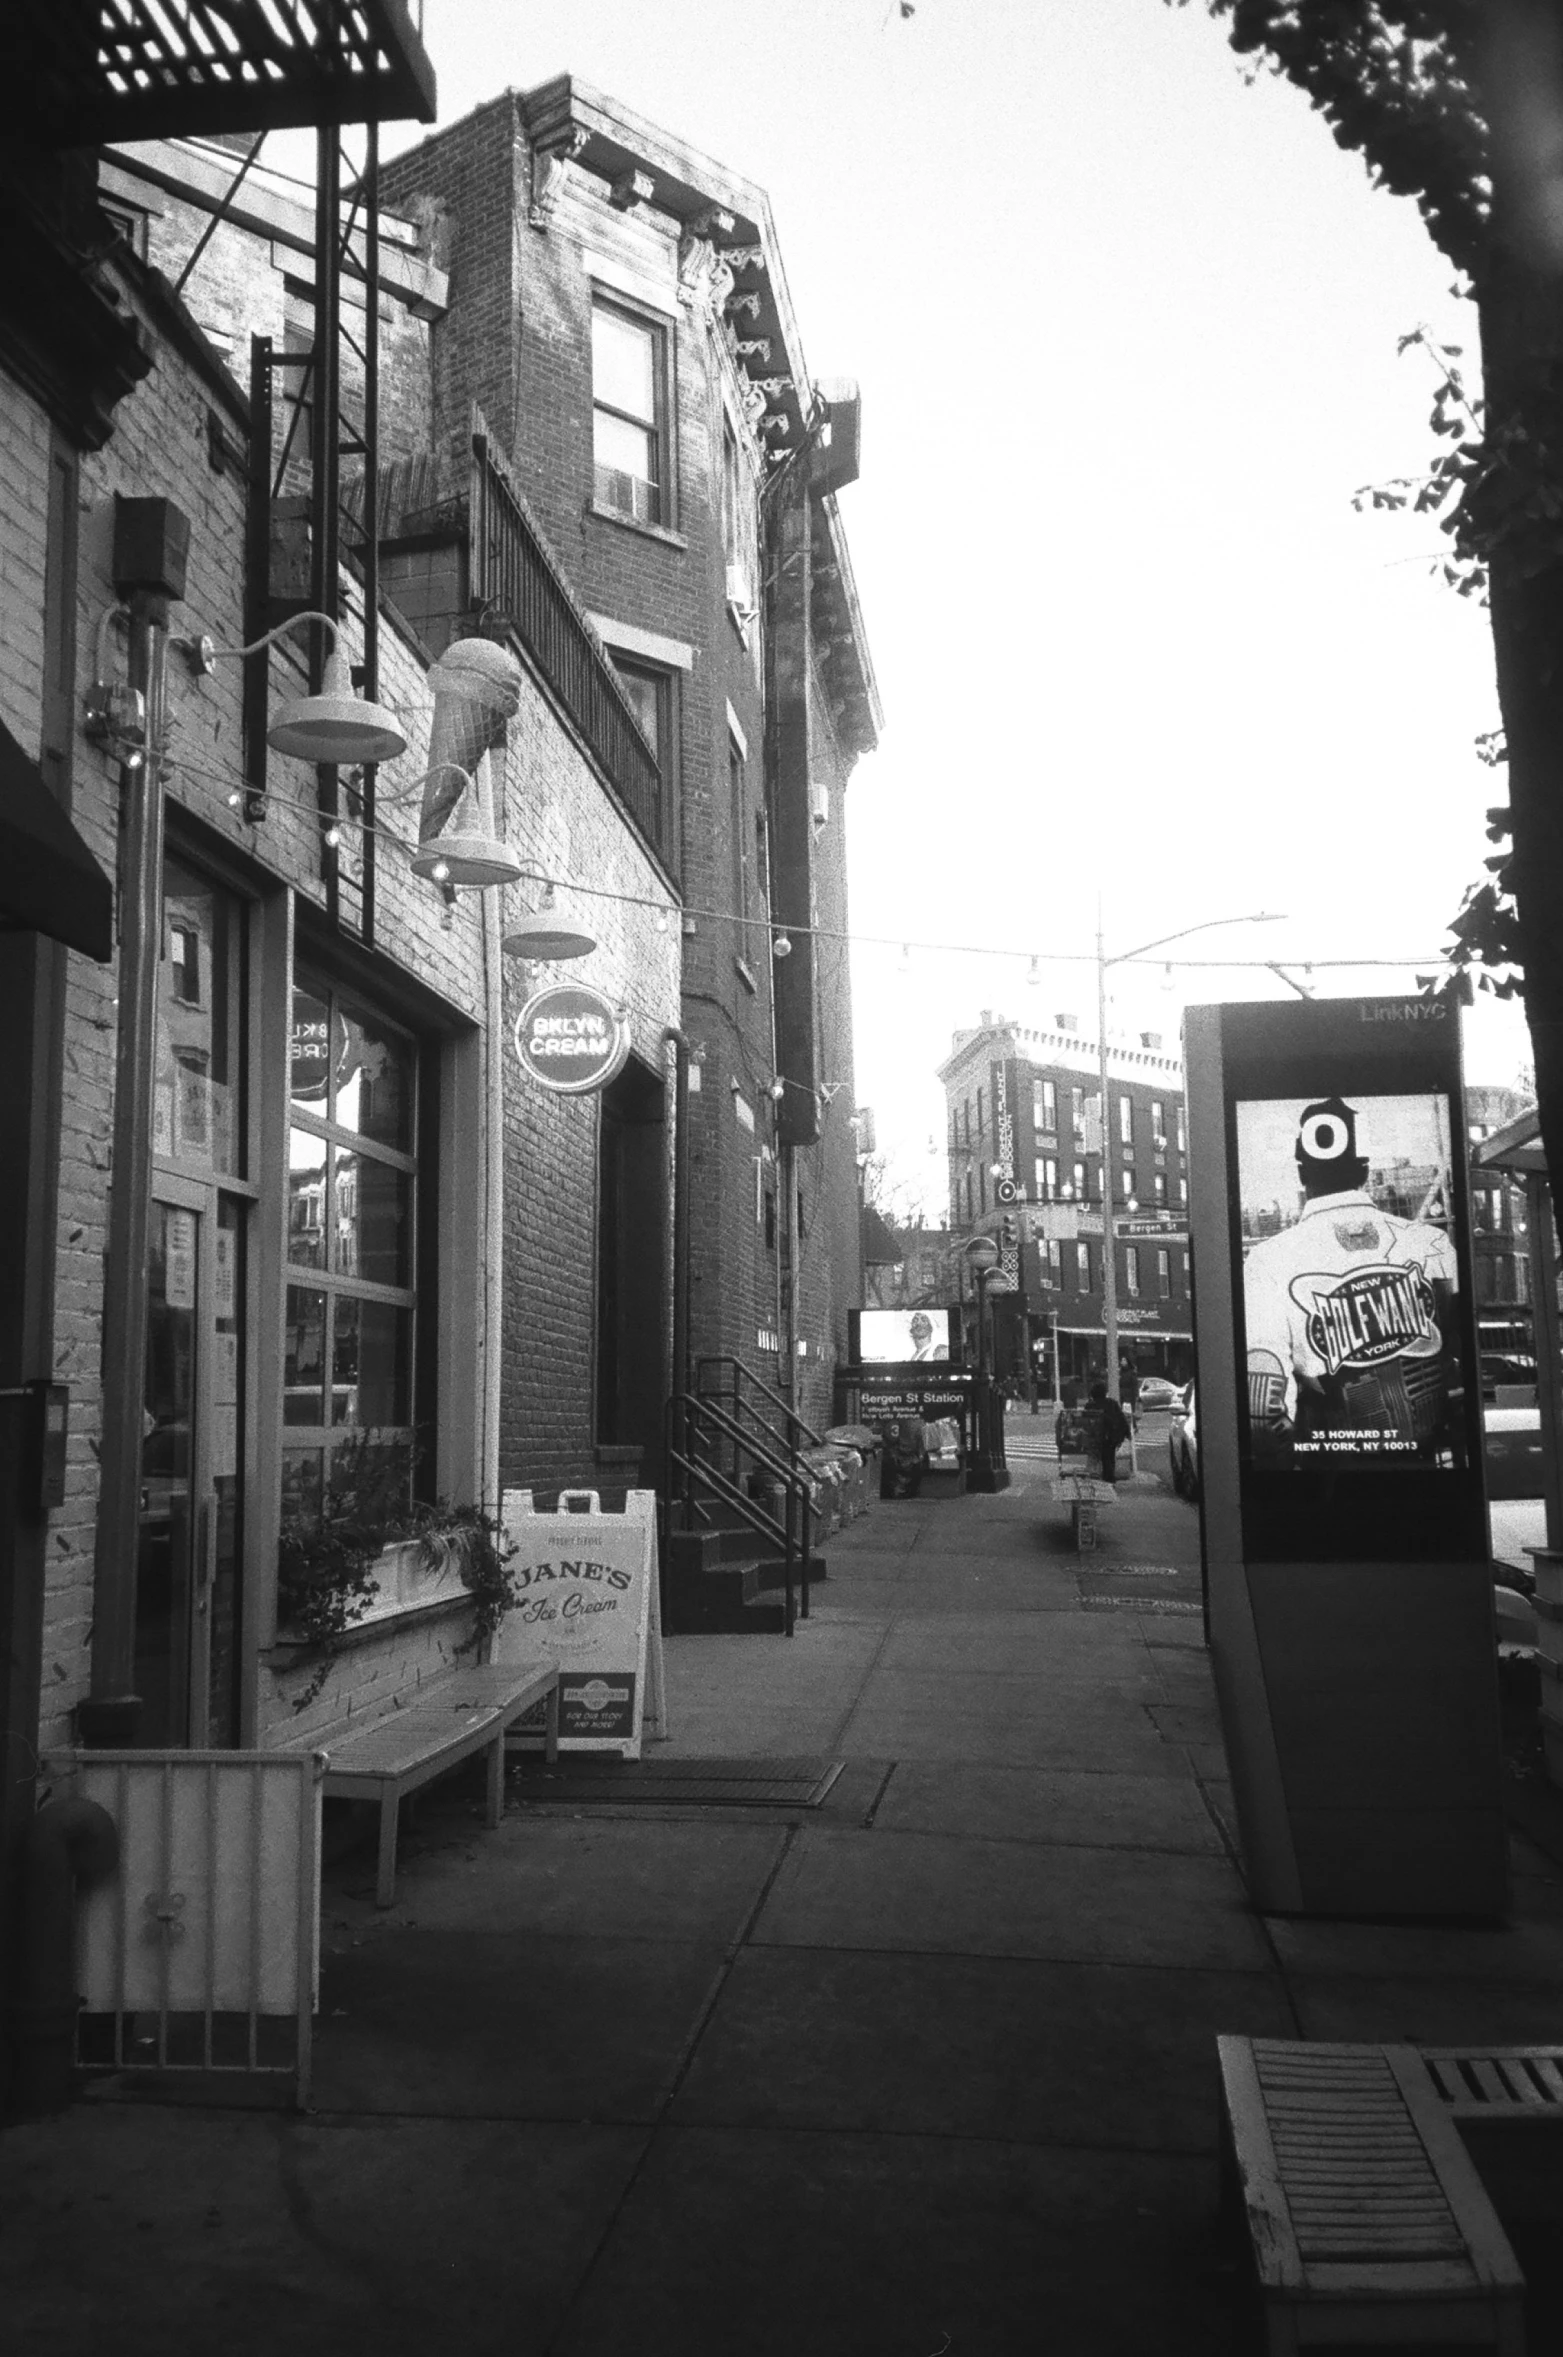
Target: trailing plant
[
  {"x": 327, "y": 1550},
  {"x": 483, "y": 1548}
]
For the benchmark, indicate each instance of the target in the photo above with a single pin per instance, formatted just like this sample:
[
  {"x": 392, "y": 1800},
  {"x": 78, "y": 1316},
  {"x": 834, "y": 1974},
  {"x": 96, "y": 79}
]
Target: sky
[{"x": 1125, "y": 327}]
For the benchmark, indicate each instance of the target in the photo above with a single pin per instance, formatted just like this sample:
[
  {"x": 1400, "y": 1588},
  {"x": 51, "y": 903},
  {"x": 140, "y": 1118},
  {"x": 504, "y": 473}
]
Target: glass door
[
  {"x": 170, "y": 1536},
  {"x": 191, "y": 1538}
]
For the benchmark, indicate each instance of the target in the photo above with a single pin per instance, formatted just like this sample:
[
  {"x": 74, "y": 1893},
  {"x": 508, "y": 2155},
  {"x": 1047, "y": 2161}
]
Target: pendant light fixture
[{"x": 544, "y": 934}]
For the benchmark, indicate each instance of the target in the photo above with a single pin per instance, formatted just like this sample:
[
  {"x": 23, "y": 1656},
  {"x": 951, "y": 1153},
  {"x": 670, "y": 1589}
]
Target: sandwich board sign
[{"x": 587, "y": 1587}]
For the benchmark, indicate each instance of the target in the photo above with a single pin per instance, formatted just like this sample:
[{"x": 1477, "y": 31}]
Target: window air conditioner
[
  {"x": 738, "y": 585},
  {"x": 819, "y": 805},
  {"x": 630, "y": 494}
]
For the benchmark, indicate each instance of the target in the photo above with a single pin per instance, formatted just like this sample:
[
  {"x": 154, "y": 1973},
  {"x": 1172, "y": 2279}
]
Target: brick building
[
  {"x": 566, "y": 289},
  {"x": 619, "y": 314},
  {"x": 1025, "y": 1104},
  {"x": 242, "y": 1086}
]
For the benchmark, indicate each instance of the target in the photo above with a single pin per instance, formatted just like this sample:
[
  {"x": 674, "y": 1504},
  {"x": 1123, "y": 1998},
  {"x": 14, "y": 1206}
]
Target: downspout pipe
[
  {"x": 678, "y": 1040},
  {"x": 68, "y": 1843}
]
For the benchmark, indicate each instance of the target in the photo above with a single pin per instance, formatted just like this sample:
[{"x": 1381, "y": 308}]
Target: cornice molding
[{"x": 548, "y": 172}]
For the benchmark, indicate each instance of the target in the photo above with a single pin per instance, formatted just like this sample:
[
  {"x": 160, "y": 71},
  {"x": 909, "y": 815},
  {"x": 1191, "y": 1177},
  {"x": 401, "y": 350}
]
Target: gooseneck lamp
[{"x": 334, "y": 726}]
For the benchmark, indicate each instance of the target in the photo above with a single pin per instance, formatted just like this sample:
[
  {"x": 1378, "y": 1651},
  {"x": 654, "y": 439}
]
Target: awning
[
  {"x": 880, "y": 1249},
  {"x": 1517, "y": 1147},
  {"x": 49, "y": 881}
]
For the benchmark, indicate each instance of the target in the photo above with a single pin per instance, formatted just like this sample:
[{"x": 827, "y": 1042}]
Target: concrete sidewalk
[{"x": 925, "y": 2072}]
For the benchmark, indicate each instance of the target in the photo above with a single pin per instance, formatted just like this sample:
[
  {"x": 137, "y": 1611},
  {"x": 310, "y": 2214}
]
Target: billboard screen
[
  {"x": 1351, "y": 1280},
  {"x": 905, "y": 1337},
  {"x": 1358, "y": 1403}
]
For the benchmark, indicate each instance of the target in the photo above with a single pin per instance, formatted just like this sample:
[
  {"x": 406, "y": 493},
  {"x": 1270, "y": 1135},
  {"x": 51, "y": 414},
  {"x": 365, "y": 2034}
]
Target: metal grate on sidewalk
[
  {"x": 1137, "y": 1604},
  {"x": 685, "y": 1783}
]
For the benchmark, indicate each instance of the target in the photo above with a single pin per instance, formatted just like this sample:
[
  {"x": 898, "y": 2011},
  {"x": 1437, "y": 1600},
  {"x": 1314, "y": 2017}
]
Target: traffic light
[{"x": 1009, "y": 1231}]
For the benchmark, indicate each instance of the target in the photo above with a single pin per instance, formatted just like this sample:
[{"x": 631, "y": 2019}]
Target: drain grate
[
  {"x": 1144, "y": 1571},
  {"x": 688, "y": 1783},
  {"x": 1136, "y": 1604}
]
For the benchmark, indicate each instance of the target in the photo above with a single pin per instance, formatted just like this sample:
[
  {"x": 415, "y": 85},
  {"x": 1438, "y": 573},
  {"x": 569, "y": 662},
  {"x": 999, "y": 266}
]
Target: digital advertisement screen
[
  {"x": 1350, "y": 1309},
  {"x": 903, "y": 1337}
]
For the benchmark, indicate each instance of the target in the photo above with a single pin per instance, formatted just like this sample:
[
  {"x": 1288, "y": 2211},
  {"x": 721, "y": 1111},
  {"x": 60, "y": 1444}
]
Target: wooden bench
[
  {"x": 1367, "y": 2219},
  {"x": 445, "y": 1721},
  {"x": 1476, "y": 2083}
]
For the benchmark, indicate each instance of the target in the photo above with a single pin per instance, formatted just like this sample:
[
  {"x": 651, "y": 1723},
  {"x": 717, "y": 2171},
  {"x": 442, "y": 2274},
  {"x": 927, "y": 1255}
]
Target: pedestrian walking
[{"x": 1112, "y": 1426}]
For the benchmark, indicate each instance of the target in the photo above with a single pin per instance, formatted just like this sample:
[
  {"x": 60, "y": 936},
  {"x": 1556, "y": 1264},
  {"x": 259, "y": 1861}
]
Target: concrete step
[
  {"x": 739, "y": 1543},
  {"x": 706, "y": 1592},
  {"x": 726, "y": 1602}
]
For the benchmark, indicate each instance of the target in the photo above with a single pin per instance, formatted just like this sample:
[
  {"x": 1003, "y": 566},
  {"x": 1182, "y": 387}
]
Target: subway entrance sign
[{"x": 1345, "y": 1520}]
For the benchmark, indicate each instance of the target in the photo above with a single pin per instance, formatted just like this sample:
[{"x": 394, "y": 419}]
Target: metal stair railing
[
  {"x": 697, "y": 1429},
  {"x": 795, "y": 1433}
]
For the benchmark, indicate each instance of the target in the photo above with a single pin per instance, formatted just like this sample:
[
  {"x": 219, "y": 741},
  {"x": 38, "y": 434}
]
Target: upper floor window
[
  {"x": 1077, "y": 1110},
  {"x": 1082, "y": 1268},
  {"x": 743, "y": 878},
  {"x": 1131, "y": 1271},
  {"x": 1047, "y": 1107},
  {"x": 1126, "y": 1120},
  {"x": 1158, "y": 1124},
  {"x": 629, "y": 413},
  {"x": 979, "y": 1117},
  {"x": 739, "y": 523},
  {"x": 650, "y": 693},
  {"x": 1181, "y": 1136}
]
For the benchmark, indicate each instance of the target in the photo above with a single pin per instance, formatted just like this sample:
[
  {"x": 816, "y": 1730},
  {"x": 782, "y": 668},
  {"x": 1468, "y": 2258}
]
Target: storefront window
[{"x": 352, "y": 1204}]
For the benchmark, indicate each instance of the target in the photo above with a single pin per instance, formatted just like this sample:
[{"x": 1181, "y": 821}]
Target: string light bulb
[{"x": 781, "y": 947}]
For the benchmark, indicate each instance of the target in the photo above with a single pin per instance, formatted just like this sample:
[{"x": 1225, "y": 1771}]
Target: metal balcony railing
[{"x": 513, "y": 576}]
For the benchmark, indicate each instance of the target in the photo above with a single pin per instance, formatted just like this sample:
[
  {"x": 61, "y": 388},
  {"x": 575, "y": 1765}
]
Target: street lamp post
[
  {"x": 1109, "y": 1225},
  {"x": 982, "y": 1257}
]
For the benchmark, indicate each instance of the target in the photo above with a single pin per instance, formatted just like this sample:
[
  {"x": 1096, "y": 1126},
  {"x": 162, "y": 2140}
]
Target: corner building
[
  {"x": 1025, "y": 1103},
  {"x": 619, "y": 320}
]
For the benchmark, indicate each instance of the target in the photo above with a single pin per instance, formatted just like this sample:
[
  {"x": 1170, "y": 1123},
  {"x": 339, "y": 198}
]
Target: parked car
[
  {"x": 1512, "y": 1444},
  {"x": 1512, "y": 1437},
  {"x": 1183, "y": 1446},
  {"x": 1156, "y": 1392}
]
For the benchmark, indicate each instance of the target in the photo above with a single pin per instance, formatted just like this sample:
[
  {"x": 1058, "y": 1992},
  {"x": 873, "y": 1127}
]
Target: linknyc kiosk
[{"x": 1340, "y": 1430}]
